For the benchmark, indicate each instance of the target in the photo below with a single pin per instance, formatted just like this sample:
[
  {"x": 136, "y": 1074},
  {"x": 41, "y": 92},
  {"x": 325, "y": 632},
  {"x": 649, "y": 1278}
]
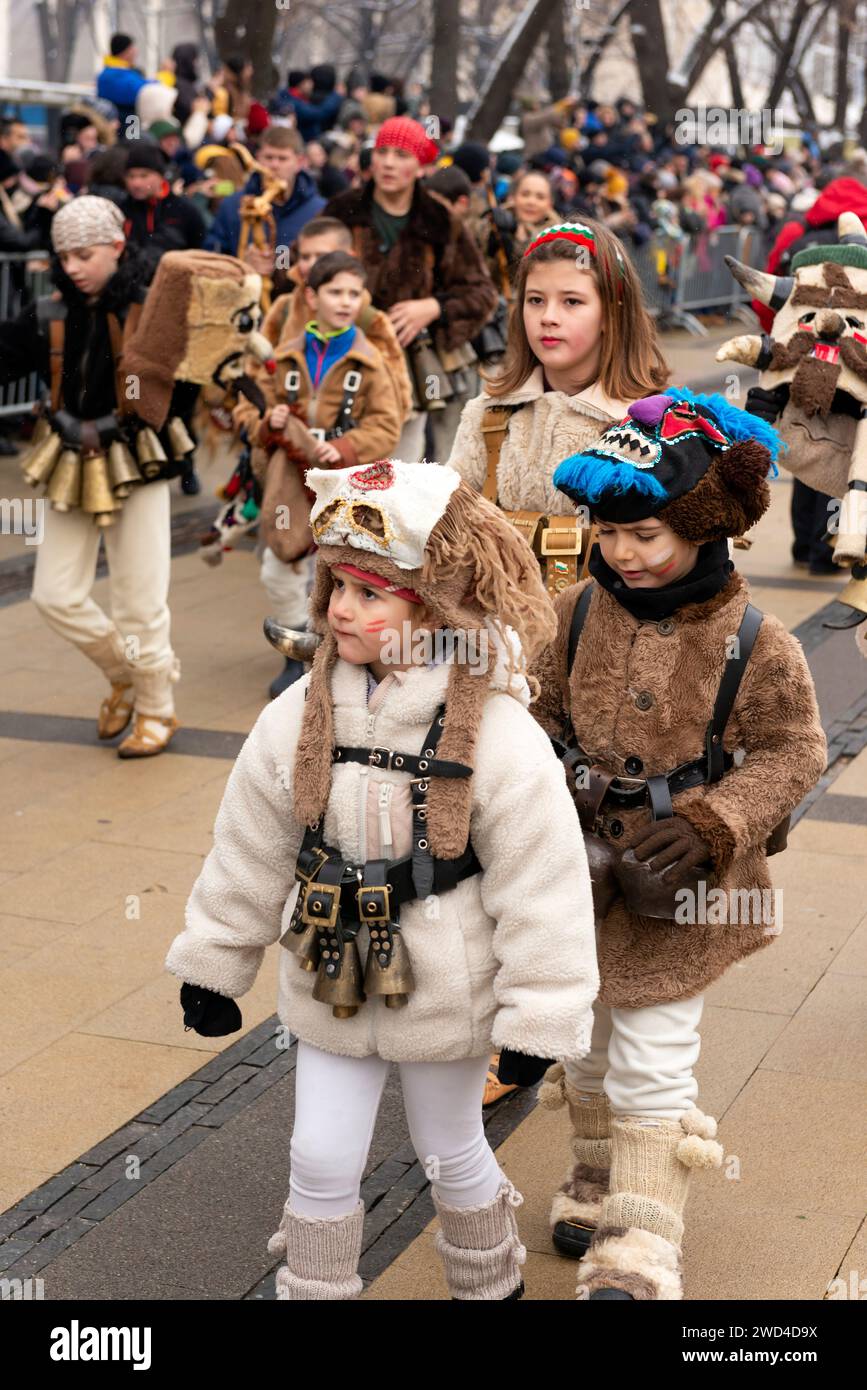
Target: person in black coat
[{"x": 155, "y": 218}]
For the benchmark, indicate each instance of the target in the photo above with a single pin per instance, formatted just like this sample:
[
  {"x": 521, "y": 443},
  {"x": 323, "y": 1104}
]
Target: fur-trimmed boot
[
  {"x": 578, "y": 1201},
  {"x": 635, "y": 1252},
  {"x": 155, "y": 722},
  {"x": 322, "y": 1255},
  {"x": 480, "y": 1247},
  {"x": 116, "y": 709}
]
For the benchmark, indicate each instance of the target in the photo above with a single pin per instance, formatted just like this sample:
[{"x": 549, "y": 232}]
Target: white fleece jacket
[
  {"x": 547, "y": 429},
  {"x": 505, "y": 959}
]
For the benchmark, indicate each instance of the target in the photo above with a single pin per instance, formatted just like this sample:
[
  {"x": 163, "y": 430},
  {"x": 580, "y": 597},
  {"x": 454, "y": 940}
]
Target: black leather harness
[
  {"x": 336, "y": 891},
  {"x": 658, "y": 790}
]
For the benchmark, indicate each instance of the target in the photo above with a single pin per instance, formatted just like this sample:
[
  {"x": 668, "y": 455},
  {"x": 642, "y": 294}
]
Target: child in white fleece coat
[{"x": 406, "y": 779}]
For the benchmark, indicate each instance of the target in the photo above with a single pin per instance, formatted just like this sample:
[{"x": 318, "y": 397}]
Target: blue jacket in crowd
[
  {"x": 311, "y": 118},
  {"x": 303, "y": 203},
  {"x": 120, "y": 83}
]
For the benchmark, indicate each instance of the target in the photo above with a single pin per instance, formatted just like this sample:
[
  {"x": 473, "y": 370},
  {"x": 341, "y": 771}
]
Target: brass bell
[
  {"x": 64, "y": 485},
  {"x": 388, "y": 971},
  {"x": 150, "y": 452},
  {"x": 338, "y": 982},
  {"x": 123, "y": 471},
  {"x": 855, "y": 594},
  {"x": 42, "y": 457},
  {"x": 179, "y": 438},
  {"x": 96, "y": 494},
  {"x": 305, "y": 945}
]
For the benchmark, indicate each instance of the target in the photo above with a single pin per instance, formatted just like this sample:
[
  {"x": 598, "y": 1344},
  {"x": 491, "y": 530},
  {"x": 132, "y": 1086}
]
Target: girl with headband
[{"x": 581, "y": 347}]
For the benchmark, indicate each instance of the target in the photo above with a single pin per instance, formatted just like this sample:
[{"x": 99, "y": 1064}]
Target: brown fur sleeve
[
  {"x": 786, "y": 752},
  {"x": 470, "y": 293},
  {"x": 549, "y": 669}
]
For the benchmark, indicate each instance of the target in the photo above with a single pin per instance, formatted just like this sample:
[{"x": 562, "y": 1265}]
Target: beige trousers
[
  {"x": 138, "y": 553},
  {"x": 643, "y": 1059}
]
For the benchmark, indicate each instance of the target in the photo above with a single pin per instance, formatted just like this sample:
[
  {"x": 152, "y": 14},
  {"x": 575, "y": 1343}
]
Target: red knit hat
[
  {"x": 402, "y": 133},
  {"x": 257, "y": 119}
]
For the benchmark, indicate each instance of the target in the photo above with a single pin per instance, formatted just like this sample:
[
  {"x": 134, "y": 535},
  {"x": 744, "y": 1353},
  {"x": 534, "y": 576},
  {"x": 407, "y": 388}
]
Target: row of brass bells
[
  {"x": 64, "y": 485},
  {"x": 44, "y": 453}
]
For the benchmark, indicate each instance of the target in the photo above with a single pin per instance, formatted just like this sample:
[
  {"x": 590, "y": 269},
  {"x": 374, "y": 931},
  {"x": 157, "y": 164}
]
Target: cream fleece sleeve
[{"x": 535, "y": 884}]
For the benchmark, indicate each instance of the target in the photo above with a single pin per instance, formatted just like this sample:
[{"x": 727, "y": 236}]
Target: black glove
[
  {"x": 519, "y": 1069},
  {"x": 67, "y": 426},
  {"x": 767, "y": 405},
  {"x": 211, "y": 1015}
]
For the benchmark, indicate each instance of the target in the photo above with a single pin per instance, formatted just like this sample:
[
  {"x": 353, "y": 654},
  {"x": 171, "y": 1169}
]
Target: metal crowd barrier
[
  {"x": 679, "y": 277},
  {"x": 20, "y": 284}
]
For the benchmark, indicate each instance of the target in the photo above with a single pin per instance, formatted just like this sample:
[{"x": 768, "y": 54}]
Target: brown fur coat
[
  {"x": 775, "y": 720},
  {"x": 456, "y": 273}
]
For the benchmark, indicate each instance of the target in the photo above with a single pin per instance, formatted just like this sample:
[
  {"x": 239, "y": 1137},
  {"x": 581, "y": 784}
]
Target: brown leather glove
[{"x": 673, "y": 845}]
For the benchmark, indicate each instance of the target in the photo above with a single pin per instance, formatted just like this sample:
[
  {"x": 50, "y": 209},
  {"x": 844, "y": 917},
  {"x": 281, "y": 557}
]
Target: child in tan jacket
[{"x": 332, "y": 401}]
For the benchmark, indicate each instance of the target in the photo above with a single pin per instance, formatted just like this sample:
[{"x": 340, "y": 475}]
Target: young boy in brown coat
[
  {"x": 331, "y": 402},
  {"x": 694, "y": 732}
]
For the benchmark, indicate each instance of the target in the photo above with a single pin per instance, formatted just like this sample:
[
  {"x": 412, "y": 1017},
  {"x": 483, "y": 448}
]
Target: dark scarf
[{"x": 711, "y": 573}]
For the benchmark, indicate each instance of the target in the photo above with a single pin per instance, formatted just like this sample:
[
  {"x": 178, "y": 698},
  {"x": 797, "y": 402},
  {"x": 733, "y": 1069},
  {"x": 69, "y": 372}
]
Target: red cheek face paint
[
  {"x": 670, "y": 566},
  {"x": 375, "y": 627}
]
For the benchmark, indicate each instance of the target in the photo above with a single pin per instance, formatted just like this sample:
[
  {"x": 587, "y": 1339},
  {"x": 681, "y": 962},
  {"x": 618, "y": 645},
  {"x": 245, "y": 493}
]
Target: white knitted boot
[
  {"x": 480, "y": 1247},
  {"x": 635, "y": 1251},
  {"x": 578, "y": 1201},
  {"x": 322, "y": 1255}
]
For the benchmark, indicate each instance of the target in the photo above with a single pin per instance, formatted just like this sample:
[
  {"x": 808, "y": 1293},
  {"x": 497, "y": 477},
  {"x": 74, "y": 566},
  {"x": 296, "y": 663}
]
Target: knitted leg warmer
[
  {"x": 480, "y": 1247},
  {"x": 322, "y": 1256},
  {"x": 108, "y": 654},
  {"x": 580, "y": 1196},
  {"x": 636, "y": 1247}
]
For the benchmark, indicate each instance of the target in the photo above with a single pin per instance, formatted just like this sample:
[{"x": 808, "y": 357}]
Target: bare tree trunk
[
  {"x": 734, "y": 74},
  {"x": 651, "y": 57},
  {"x": 444, "y": 59},
  {"x": 560, "y": 60},
  {"x": 602, "y": 42},
  {"x": 486, "y": 40},
  {"x": 247, "y": 29},
  {"x": 57, "y": 29},
  {"x": 787, "y": 52},
  {"x": 492, "y": 103},
  {"x": 845, "y": 30}
]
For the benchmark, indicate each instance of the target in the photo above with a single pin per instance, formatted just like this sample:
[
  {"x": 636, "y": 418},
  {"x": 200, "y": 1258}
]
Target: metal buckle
[
  {"x": 329, "y": 892},
  {"x": 376, "y": 761},
  {"x": 323, "y": 859},
  {"x": 573, "y": 549},
  {"x": 364, "y": 912}
]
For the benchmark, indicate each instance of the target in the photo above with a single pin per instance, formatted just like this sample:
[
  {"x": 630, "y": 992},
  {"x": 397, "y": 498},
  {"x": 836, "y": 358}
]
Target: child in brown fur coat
[{"x": 678, "y": 807}]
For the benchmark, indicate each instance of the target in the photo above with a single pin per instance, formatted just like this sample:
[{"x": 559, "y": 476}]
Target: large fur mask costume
[
  {"x": 200, "y": 317},
  {"x": 817, "y": 354}
]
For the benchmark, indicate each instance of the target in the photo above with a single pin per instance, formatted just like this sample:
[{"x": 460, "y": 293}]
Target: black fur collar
[{"x": 428, "y": 220}]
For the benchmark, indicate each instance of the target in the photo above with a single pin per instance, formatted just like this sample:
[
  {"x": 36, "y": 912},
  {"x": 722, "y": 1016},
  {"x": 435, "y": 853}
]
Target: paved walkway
[{"x": 144, "y": 1161}]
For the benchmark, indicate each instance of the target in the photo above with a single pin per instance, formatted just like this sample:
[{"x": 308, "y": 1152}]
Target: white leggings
[
  {"x": 643, "y": 1058},
  {"x": 336, "y": 1103}
]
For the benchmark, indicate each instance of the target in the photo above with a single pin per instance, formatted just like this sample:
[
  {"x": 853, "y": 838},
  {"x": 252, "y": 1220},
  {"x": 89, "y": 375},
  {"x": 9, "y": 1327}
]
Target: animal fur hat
[
  {"x": 697, "y": 462},
  {"x": 421, "y": 527},
  {"x": 199, "y": 318}
]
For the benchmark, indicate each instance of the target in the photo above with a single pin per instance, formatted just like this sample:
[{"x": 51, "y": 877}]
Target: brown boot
[
  {"x": 116, "y": 709},
  {"x": 155, "y": 722},
  {"x": 635, "y": 1252},
  {"x": 578, "y": 1201}
]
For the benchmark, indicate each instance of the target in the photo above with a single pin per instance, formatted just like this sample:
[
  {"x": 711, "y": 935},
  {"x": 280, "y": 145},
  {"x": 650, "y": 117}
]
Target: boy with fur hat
[
  {"x": 379, "y": 780},
  {"x": 694, "y": 732}
]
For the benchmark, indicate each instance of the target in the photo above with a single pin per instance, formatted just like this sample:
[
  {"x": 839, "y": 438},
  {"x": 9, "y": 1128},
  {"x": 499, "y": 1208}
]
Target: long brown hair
[{"x": 631, "y": 363}]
